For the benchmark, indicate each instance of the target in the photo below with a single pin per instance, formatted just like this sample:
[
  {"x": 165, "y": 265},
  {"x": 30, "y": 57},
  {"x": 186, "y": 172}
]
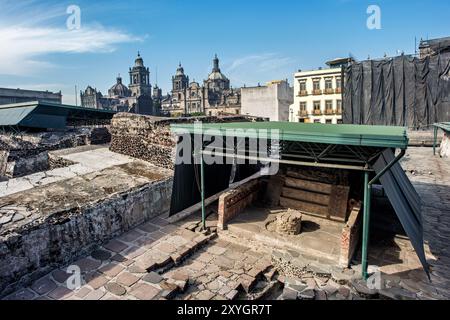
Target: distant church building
[
  {"x": 136, "y": 98},
  {"x": 214, "y": 97}
]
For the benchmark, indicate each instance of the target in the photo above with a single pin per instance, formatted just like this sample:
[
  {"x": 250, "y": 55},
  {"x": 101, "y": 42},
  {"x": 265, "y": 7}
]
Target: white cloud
[
  {"x": 28, "y": 33},
  {"x": 256, "y": 68}
]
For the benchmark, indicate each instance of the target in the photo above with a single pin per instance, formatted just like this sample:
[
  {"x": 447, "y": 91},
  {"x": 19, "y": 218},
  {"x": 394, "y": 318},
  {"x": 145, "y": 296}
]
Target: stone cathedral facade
[
  {"x": 214, "y": 97},
  {"x": 136, "y": 98}
]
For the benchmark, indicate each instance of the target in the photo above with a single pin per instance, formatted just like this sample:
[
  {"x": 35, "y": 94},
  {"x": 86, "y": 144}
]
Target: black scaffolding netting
[{"x": 401, "y": 91}]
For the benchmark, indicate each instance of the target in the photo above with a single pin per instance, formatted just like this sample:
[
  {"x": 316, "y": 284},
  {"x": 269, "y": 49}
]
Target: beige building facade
[{"x": 317, "y": 96}]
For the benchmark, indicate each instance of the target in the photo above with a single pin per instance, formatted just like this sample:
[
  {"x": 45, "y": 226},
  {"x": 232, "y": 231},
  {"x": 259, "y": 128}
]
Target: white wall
[{"x": 271, "y": 101}]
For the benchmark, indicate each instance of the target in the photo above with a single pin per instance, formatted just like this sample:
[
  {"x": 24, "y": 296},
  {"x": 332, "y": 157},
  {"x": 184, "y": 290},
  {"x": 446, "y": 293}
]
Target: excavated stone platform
[{"x": 49, "y": 219}]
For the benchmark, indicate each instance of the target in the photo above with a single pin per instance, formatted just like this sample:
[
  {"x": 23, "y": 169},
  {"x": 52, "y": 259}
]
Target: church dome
[
  {"x": 119, "y": 89},
  {"x": 139, "y": 62},
  {"x": 180, "y": 70},
  {"x": 217, "y": 75}
]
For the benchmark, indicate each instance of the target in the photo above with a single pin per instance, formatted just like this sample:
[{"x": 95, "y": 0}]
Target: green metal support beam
[
  {"x": 202, "y": 187},
  {"x": 366, "y": 214},
  {"x": 366, "y": 224},
  {"x": 435, "y": 139},
  {"x": 389, "y": 166}
]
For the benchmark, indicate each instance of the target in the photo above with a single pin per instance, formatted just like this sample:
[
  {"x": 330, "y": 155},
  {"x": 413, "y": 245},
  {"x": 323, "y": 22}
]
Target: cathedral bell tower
[{"x": 140, "y": 79}]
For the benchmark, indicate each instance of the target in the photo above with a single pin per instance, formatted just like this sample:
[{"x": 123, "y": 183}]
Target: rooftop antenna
[
  {"x": 156, "y": 74},
  {"x": 76, "y": 96},
  {"x": 415, "y": 45}
]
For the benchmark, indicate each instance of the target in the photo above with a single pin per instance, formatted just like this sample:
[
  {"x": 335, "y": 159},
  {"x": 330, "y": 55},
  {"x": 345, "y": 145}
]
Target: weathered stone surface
[
  {"x": 43, "y": 286},
  {"x": 320, "y": 294},
  {"x": 126, "y": 279},
  {"x": 115, "y": 288},
  {"x": 144, "y": 291},
  {"x": 361, "y": 287},
  {"x": 23, "y": 294},
  {"x": 289, "y": 222},
  {"x": 111, "y": 269},
  {"x": 115, "y": 246},
  {"x": 101, "y": 255},
  {"x": 153, "y": 277},
  {"x": 60, "y": 276},
  {"x": 307, "y": 294},
  {"x": 289, "y": 294},
  {"x": 397, "y": 294},
  {"x": 6, "y": 219},
  {"x": 247, "y": 282},
  {"x": 331, "y": 287},
  {"x": 96, "y": 280},
  {"x": 205, "y": 295},
  {"x": 232, "y": 295},
  {"x": 18, "y": 217},
  {"x": 343, "y": 275},
  {"x": 60, "y": 293},
  {"x": 87, "y": 264},
  {"x": 82, "y": 292},
  {"x": 94, "y": 295}
]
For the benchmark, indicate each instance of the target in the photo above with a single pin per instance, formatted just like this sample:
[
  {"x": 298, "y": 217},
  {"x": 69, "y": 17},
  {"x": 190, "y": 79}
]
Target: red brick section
[
  {"x": 232, "y": 202},
  {"x": 350, "y": 235}
]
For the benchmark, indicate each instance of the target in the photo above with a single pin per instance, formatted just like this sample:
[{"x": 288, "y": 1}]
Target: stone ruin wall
[
  {"x": 32, "y": 251},
  {"x": 149, "y": 138}
]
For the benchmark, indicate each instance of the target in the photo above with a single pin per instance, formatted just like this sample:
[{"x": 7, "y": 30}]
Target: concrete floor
[{"x": 319, "y": 237}]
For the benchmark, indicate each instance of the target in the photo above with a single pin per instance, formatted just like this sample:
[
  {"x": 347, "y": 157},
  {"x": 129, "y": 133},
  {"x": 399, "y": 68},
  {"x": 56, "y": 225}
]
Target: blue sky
[{"x": 256, "y": 40}]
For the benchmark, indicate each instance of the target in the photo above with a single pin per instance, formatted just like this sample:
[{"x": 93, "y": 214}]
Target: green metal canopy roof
[
  {"x": 443, "y": 125},
  {"x": 341, "y": 134},
  {"x": 47, "y": 115}
]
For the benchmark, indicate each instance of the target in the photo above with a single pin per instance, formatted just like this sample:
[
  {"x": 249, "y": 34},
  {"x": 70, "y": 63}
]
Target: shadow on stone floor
[{"x": 310, "y": 226}]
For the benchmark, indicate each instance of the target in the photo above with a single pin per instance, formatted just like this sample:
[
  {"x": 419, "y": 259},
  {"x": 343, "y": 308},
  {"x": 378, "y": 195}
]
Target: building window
[
  {"x": 317, "y": 121},
  {"x": 339, "y": 121},
  {"x": 316, "y": 105},
  {"x": 338, "y": 85},
  {"x": 328, "y": 84},
  {"x": 317, "y": 108},
  {"x": 302, "y": 111},
  {"x": 301, "y": 120},
  {"x": 339, "y": 106},
  {"x": 302, "y": 85},
  {"x": 329, "y": 107},
  {"x": 328, "y": 121},
  {"x": 316, "y": 84}
]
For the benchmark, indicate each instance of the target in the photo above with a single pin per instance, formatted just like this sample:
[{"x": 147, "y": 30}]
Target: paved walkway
[
  {"x": 431, "y": 178},
  {"x": 158, "y": 261}
]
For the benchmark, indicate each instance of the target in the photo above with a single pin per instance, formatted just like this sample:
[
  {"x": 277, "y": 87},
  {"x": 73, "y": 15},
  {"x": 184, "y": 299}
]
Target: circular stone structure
[{"x": 289, "y": 222}]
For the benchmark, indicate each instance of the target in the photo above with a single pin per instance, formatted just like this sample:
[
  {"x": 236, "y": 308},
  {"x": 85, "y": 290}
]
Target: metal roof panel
[{"x": 373, "y": 136}]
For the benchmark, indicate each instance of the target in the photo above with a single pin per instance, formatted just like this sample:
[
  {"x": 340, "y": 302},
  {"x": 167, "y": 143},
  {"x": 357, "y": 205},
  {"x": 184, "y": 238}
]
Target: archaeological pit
[{"x": 113, "y": 209}]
